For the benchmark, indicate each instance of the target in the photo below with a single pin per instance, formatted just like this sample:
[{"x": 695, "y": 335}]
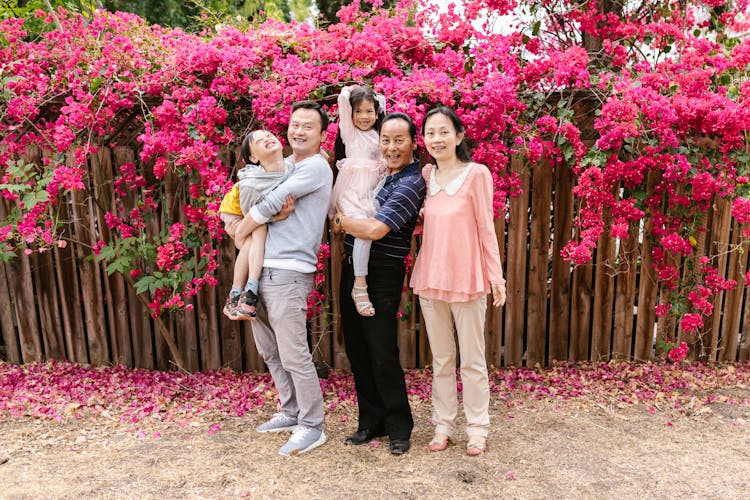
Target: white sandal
[{"x": 364, "y": 307}]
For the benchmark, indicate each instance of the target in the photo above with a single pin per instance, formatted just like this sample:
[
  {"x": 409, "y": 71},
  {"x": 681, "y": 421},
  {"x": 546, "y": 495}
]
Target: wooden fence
[{"x": 62, "y": 305}]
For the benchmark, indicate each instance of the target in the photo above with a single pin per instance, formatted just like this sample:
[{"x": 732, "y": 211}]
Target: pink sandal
[
  {"x": 476, "y": 446},
  {"x": 439, "y": 442}
]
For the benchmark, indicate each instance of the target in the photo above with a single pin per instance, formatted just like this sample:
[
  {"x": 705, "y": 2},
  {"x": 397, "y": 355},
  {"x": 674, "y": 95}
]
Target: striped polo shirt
[{"x": 400, "y": 200}]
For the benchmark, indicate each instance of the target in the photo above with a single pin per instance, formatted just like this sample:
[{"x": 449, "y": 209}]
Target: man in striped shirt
[{"x": 371, "y": 341}]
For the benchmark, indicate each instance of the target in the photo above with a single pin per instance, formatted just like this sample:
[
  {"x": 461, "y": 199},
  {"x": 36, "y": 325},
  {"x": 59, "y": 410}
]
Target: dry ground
[{"x": 538, "y": 449}]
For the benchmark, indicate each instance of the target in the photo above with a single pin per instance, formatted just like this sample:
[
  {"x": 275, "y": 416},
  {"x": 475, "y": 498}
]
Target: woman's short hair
[{"x": 463, "y": 151}]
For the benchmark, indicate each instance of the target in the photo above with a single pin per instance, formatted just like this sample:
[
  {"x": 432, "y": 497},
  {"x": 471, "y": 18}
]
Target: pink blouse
[{"x": 459, "y": 256}]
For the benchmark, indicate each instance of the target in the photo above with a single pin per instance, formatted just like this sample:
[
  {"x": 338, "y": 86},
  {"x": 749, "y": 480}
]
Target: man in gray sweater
[{"x": 280, "y": 327}]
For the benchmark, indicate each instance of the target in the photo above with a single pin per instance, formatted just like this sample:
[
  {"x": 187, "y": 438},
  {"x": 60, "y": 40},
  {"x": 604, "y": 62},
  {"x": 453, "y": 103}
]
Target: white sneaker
[
  {"x": 303, "y": 440},
  {"x": 278, "y": 423}
]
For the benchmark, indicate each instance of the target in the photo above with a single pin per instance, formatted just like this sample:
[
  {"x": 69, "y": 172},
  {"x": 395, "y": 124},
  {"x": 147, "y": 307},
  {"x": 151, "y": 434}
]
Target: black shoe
[
  {"x": 361, "y": 437},
  {"x": 400, "y": 446}
]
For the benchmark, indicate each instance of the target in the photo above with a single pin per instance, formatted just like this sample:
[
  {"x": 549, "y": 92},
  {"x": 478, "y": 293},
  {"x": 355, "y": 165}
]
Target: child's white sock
[{"x": 235, "y": 291}]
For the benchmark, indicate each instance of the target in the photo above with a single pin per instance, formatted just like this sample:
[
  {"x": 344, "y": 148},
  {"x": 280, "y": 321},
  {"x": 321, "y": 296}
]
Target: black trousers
[{"x": 371, "y": 345}]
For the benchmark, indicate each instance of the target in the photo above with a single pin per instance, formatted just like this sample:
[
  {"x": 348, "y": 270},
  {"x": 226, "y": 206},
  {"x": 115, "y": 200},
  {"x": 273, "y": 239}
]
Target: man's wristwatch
[{"x": 337, "y": 221}]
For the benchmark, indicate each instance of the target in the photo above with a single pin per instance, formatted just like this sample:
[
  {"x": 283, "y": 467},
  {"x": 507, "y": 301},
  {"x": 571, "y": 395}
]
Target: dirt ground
[{"x": 538, "y": 449}]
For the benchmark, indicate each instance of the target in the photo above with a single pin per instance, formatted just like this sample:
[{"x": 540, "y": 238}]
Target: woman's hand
[
  {"x": 286, "y": 209},
  {"x": 419, "y": 227},
  {"x": 498, "y": 294}
]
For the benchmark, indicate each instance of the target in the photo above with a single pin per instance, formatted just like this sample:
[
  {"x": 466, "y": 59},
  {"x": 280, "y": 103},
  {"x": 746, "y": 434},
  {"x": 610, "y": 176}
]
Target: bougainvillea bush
[{"x": 669, "y": 80}]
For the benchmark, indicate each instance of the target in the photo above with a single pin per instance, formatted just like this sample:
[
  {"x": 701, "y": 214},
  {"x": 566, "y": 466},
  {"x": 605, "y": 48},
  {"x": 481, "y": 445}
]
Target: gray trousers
[{"x": 280, "y": 332}]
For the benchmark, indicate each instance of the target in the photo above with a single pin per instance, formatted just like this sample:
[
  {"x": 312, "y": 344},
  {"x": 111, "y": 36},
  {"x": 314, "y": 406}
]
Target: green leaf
[
  {"x": 106, "y": 253},
  {"x": 29, "y": 200},
  {"x": 144, "y": 284},
  {"x": 95, "y": 84}
]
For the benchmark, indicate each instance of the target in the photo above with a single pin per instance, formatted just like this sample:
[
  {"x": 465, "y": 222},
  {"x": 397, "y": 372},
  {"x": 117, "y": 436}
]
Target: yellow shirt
[{"x": 231, "y": 202}]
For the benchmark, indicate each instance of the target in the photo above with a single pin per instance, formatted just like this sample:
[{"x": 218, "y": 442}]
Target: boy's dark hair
[
  {"x": 308, "y": 104},
  {"x": 463, "y": 151},
  {"x": 358, "y": 94},
  {"x": 245, "y": 148}
]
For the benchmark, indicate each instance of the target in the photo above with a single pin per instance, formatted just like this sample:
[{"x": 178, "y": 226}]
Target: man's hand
[
  {"x": 286, "y": 209},
  {"x": 231, "y": 227},
  {"x": 336, "y": 223}
]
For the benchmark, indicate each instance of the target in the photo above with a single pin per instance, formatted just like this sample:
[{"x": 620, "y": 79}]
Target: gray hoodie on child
[{"x": 293, "y": 243}]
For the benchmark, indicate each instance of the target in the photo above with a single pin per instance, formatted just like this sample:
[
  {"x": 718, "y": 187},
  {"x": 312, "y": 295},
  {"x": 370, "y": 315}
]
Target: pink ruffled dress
[{"x": 362, "y": 173}]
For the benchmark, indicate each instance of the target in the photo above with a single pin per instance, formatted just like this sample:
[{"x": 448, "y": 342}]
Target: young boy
[{"x": 265, "y": 168}]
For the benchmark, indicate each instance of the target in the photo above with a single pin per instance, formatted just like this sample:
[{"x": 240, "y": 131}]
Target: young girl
[
  {"x": 458, "y": 228},
  {"x": 264, "y": 169},
  {"x": 361, "y": 175}
]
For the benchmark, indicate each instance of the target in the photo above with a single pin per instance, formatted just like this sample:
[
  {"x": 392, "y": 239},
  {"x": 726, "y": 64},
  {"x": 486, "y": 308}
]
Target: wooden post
[
  {"x": 516, "y": 278},
  {"x": 19, "y": 273},
  {"x": 647, "y": 286},
  {"x": 627, "y": 272},
  {"x": 49, "y": 314},
  {"x": 560, "y": 293},
  {"x": 208, "y": 326},
  {"x": 7, "y": 324},
  {"x": 141, "y": 329},
  {"x": 66, "y": 271},
  {"x": 730, "y": 328},
  {"x": 337, "y": 256},
  {"x": 536, "y": 313},
  {"x": 116, "y": 303},
  {"x": 601, "y": 324},
  {"x": 494, "y": 321},
  {"x": 580, "y": 311},
  {"x": 745, "y": 333},
  {"x": 42, "y": 270},
  {"x": 719, "y": 243}
]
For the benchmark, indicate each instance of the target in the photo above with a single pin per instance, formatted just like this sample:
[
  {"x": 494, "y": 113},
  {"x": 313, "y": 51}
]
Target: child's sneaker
[
  {"x": 230, "y": 307},
  {"x": 246, "y": 307}
]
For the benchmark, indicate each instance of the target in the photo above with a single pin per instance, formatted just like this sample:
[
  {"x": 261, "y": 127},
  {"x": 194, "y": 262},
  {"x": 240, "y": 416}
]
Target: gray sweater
[{"x": 293, "y": 243}]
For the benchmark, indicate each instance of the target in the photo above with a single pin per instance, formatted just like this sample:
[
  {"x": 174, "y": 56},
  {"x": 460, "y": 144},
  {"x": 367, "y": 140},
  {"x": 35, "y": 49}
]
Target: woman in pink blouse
[{"x": 457, "y": 266}]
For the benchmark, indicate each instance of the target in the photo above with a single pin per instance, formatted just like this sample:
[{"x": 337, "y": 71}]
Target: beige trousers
[{"x": 439, "y": 318}]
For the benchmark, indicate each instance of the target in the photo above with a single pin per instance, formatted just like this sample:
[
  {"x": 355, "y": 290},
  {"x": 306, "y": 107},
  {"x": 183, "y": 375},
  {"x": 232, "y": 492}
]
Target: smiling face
[
  {"x": 264, "y": 146},
  {"x": 441, "y": 138},
  {"x": 305, "y": 133},
  {"x": 396, "y": 144},
  {"x": 364, "y": 115}
]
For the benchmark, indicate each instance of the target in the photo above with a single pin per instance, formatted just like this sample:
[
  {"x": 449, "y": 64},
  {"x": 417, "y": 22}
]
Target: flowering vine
[{"x": 672, "y": 125}]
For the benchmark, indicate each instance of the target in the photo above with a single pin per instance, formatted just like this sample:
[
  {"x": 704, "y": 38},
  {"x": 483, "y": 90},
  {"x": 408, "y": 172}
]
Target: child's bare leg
[
  {"x": 257, "y": 253},
  {"x": 240, "y": 264},
  {"x": 360, "y": 258},
  {"x": 254, "y": 261}
]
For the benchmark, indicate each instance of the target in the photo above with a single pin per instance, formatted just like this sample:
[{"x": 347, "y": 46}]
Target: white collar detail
[{"x": 453, "y": 186}]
